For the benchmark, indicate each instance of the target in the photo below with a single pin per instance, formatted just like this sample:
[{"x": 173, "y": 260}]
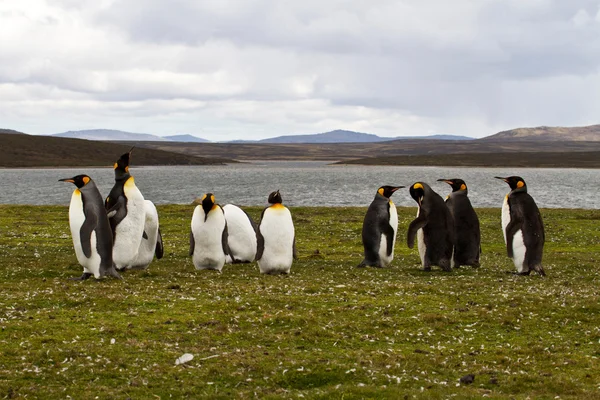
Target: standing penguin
[
  {"x": 127, "y": 213},
  {"x": 433, "y": 227},
  {"x": 151, "y": 243},
  {"x": 467, "y": 235},
  {"x": 276, "y": 247},
  {"x": 379, "y": 229},
  {"x": 522, "y": 227},
  {"x": 92, "y": 237},
  {"x": 208, "y": 239},
  {"x": 241, "y": 234}
]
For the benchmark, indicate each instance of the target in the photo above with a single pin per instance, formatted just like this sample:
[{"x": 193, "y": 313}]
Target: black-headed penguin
[
  {"x": 126, "y": 211},
  {"x": 522, "y": 227},
  {"x": 433, "y": 227},
  {"x": 467, "y": 235},
  {"x": 241, "y": 233},
  {"x": 92, "y": 236},
  {"x": 276, "y": 238},
  {"x": 208, "y": 238},
  {"x": 379, "y": 229}
]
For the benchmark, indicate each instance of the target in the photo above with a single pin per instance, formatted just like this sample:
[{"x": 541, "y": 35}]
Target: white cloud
[{"x": 231, "y": 69}]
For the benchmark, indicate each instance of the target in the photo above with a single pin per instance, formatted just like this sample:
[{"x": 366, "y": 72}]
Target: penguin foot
[
  {"x": 85, "y": 276},
  {"x": 540, "y": 270},
  {"x": 362, "y": 264},
  {"x": 524, "y": 273},
  {"x": 427, "y": 269}
]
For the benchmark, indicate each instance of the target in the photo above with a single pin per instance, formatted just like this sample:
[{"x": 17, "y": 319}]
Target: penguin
[
  {"x": 241, "y": 235},
  {"x": 379, "y": 229},
  {"x": 276, "y": 238},
  {"x": 433, "y": 227},
  {"x": 126, "y": 211},
  {"x": 522, "y": 227},
  {"x": 92, "y": 237},
  {"x": 208, "y": 238},
  {"x": 467, "y": 234},
  {"x": 151, "y": 243}
]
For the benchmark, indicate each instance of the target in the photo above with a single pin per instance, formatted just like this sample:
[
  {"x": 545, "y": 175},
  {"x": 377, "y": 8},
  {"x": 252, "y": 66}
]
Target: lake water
[{"x": 305, "y": 184}]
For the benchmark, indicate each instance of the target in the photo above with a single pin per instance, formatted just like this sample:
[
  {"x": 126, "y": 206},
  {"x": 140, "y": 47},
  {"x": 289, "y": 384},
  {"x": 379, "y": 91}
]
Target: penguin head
[
  {"x": 208, "y": 202},
  {"x": 515, "y": 182},
  {"x": 79, "y": 180},
  {"x": 417, "y": 192},
  {"x": 388, "y": 191},
  {"x": 275, "y": 198},
  {"x": 456, "y": 184},
  {"x": 121, "y": 167}
]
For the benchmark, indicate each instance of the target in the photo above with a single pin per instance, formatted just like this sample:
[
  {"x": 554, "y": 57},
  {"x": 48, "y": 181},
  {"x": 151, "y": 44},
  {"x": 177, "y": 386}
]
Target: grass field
[{"x": 328, "y": 330}]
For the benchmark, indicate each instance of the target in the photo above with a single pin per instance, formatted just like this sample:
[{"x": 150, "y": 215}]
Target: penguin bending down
[
  {"x": 467, "y": 235},
  {"x": 126, "y": 211},
  {"x": 522, "y": 227},
  {"x": 208, "y": 238},
  {"x": 241, "y": 235},
  {"x": 151, "y": 243},
  {"x": 379, "y": 229},
  {"x": 92, "y": 237},
  {"x": 276, "y": 247},
  {"x": 433, "y": 227}
]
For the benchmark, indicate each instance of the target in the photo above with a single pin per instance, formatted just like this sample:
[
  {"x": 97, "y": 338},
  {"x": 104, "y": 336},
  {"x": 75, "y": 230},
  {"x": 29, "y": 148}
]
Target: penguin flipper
[
  {"x": 144, "y": 235},
  {"x": 512, "y": 228},
  {"x": 192, "y": 243},
  {"x": 224, "y": 241},
  {"x": 419, "y": 223},
  {"x": 294, "y": 250},
  {"x": 260, "y": 244},
  {"x": 159, "y": 250},
  {"x": 85, "y": 233},
  {"x": 389, "y": 237}
]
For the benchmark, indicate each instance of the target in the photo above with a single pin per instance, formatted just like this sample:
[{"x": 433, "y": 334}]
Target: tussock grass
[{"x": 328, "y": 330}]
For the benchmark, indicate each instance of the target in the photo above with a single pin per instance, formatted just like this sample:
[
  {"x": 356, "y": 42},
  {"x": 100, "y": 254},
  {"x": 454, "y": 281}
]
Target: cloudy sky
[{"x": 248, "y": 69}]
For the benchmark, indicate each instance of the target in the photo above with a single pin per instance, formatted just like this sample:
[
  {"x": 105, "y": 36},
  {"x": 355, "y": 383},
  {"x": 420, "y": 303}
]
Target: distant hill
[
  {"x": 18, "y": 151},
  {"x": 343, "y": 136},
  {"x": 582, "y": 133},
  {"x": 10, "y": 131},
  {"x": 110, "y": 135},
  {"x": 186, "y": 138}
]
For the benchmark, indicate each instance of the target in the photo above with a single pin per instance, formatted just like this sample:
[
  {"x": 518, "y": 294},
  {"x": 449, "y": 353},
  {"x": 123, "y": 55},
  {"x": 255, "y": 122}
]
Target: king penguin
[
  {"x": 92, "y": 237},
  {"x": 241, "y": 235},
  {"x": 379, "y": 229},
  {"x": 433, "y": 227},
  {"x": 126, "y": 211},
  {"x": 467, "y": 235},
  {"x": 151, "y": 244},
  {"x": 522, "y": 227},
  {"x": 276, "y": 247},
  {"x": 208, "y": 238}
]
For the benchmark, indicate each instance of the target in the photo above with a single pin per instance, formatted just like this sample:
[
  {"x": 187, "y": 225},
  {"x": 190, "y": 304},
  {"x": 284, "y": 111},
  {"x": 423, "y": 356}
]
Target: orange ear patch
[
  {"x": 380, "y": 191},
  {"x": 85, "y": 180},
  {"x": 212, "y": 198},
  {"x": 520, "y": 184},
  {"x": 115, "y": 166},
  {"x": 463, "y": 187},
  {"x": 417, "y": 186}
]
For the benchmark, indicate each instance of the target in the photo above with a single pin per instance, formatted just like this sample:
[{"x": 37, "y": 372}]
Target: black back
[
  {"x": 466, "y": 229},
  {"x": 116, "y": 202}
]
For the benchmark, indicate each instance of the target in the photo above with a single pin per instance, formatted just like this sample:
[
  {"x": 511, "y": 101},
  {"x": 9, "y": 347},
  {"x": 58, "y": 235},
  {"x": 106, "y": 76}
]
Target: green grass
[{"x": 328, "y": 330}]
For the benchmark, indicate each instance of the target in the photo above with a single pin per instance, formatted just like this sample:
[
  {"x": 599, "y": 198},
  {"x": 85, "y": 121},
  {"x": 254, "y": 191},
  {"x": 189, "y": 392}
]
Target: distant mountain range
[
  {"x": 558, "y": 133},
  {"x": 336, "y": 136}
]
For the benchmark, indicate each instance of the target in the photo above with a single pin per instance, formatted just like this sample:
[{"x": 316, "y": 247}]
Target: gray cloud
[{"x": 261, "y": 68}]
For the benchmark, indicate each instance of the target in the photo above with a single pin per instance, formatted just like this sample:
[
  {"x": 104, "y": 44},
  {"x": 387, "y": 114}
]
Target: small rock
[
  {"x": 184, "y": 358},
  {"x": 467, "y": 379}
]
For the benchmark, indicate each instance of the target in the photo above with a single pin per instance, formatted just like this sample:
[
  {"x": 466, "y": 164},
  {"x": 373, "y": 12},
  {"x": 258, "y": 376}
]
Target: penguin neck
[
  {"x": 518, "y": 190},
  {"x": 122, "y": 176},
  {"x": 276, "y": 206}
]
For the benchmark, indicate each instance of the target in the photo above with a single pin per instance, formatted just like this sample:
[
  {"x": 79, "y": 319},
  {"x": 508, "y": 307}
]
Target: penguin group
[
  {"x": 122, "y": 232},
  {"x": 448, "y": 233}
]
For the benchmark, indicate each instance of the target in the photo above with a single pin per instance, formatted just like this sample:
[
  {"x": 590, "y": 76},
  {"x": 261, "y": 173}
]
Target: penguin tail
[{"x": 539, "y": 269}]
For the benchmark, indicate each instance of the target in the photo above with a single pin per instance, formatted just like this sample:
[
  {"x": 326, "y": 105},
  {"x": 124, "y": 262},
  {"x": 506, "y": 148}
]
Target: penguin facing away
[
  {"x": 92, "y": 236},
  {"x": 433, "y": 228},
  {"x": 276, "y": 238},
  {"x": 467, "y": 234},
  {"x": 379, "y": 229},
  {"x": 208, "y": 238},
  {"x": 522, "y": 227},
  {"x": 151, "y": 243},
  {"x": 241, "y": 235},
  {"x": 126, "y": 211}
]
